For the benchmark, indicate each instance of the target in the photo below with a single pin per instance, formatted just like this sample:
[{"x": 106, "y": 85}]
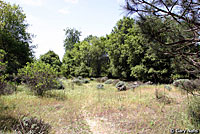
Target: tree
[
  {"x": 117, "y": 48},
  {"x": 72, "y": 37},
  {"x": 51, "y": 58},
  {"x": 184, "y": 35},
  {"x": 14, "y": 38},
  {"x": 87, "y": 58}
]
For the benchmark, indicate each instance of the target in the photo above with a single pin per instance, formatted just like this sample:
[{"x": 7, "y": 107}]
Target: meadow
[{"x": 84, "y": 109}]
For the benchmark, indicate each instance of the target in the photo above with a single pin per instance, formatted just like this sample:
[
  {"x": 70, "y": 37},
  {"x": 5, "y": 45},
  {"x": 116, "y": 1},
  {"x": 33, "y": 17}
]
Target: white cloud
[
  {"x": 64, "y": 11},
  {"x": 72, "y": 1},
  {"x": 32, "y": 2}
]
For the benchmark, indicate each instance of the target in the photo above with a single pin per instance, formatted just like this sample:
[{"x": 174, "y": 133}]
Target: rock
[
  {"x": 168, "y": 87},
  {"x": 115, "y": 82},
  {"x": 121, "y": 86},
  {"x": 80, "y": 77},
  {"x": 98, "y": 79},
  {"x": 148, "y": 83},
  {"x": 108, "y": 81},
  {"x": 179, "y": 82},
  {"x": 103, "y": 79},
  {"x": 100, "y": 86},
  {"x": 92, "y": 78},
  {"x": 85, "y": 81}
]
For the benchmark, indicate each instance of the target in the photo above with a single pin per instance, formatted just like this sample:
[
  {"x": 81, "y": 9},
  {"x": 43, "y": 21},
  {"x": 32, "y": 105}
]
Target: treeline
[{"x": 125, "y": 53}]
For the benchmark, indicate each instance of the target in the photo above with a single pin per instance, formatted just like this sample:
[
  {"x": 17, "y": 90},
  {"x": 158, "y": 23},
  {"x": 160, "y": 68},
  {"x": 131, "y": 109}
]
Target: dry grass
[{"x": 128, "y": 112}]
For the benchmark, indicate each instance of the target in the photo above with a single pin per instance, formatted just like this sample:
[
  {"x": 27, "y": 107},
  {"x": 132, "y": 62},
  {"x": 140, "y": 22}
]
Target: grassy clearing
[{"x": 85, "y": 109}]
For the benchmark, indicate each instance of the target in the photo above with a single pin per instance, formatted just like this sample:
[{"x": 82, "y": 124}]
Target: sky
[{"x": 49, "y": 18}]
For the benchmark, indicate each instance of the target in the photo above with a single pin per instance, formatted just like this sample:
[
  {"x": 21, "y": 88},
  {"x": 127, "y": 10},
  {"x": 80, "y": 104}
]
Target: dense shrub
[
  {"x": 59, "y": 85},
  {"x": 9, "y": 88},
  {"x": 39, "y": 76},
  {"x": 32, "y": 126}
]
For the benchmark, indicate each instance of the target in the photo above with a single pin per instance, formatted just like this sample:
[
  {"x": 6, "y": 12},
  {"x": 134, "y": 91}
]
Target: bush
[
  {"x": 32, "y": 126},
  {"x": 59, "y": 85},
  {"x": 193, "y": 111},
  {"x": 39, "y": 76},
  {"x": 108, "y": 82}
]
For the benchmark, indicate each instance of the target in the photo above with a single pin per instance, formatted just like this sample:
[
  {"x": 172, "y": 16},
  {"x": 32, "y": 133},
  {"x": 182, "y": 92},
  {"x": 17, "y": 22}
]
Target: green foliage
[
  {"x": 14, "y": 38},
  {"x": 72, "y": 37},
  {"x": 39, "y": 76},
  {"x": 3, "y": 83},
  {"x": 118, "y": 48},
  {"x": 51, "y": 58},
  {"x": 86, "y": 59}
]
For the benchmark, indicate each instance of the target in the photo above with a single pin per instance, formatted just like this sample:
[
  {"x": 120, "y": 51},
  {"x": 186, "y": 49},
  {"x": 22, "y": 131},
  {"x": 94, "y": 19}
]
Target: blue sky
[{"x": 48, "y": 18}]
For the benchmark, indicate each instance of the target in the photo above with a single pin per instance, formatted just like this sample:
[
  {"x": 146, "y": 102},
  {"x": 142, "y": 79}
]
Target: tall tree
[
  {"x": 117, "y": 48},
  {"x": 14, "y": 38},
  {"x": 72, "y": 37},
  {"x": 184, "y": 36}
]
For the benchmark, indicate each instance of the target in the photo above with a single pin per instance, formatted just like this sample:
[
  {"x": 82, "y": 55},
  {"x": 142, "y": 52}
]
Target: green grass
[{"x": 130, "y": 112}]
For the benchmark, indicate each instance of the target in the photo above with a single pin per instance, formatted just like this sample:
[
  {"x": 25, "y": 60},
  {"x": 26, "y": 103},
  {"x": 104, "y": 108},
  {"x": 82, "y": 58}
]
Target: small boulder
[
  {"x": 121, "y": 86},
  {"x": 115, "y": 82},
  {"x": 148, "y": 83},
  {"x": 108, "y": 81},
  {"x": 103, "y": 79},
  {"x": 169, "y": 88},
  {"x": 100, "y": 86},
  {"x": 85, "y": 81}
]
